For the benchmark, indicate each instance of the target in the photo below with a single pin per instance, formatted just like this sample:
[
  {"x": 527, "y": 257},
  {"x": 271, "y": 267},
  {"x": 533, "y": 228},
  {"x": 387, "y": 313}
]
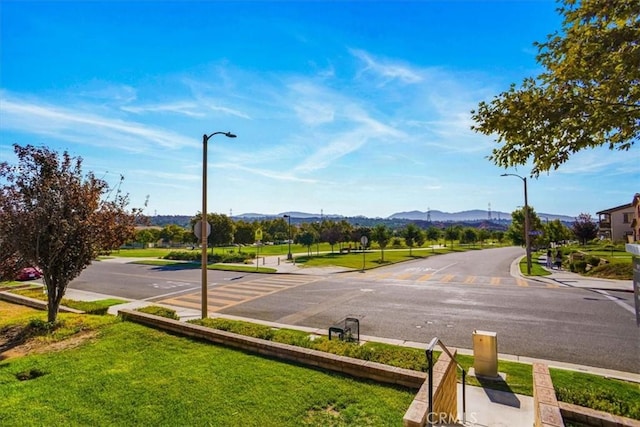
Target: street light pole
[
  {"x": 289, "y": 256},
  {"x": 203, "y": 223},
  {"x": 527, "y": 237}
]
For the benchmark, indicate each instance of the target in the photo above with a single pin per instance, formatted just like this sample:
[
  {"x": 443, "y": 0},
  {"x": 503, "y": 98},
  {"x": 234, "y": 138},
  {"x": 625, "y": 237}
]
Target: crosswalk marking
[
  {"x": 224, "y": 296},
  {"x": 470, "y": 280},
  {"x": 420, "y": 277}
]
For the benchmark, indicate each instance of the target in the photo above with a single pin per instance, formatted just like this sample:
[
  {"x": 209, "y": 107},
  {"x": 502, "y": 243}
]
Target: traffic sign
[
  {"x": 258, "y": 234},
  {"x": 197, "y": 229}
]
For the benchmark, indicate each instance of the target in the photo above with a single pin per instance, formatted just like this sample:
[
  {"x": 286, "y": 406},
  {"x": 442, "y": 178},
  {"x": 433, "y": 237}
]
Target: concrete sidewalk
[{"x": 566, "y": 278}]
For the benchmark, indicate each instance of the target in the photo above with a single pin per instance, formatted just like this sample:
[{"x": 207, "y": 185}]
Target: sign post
[
  {"x": 364, "y": 240},
  {"x": 258, "y": 237},
  {"x": 634, "y": 250}
]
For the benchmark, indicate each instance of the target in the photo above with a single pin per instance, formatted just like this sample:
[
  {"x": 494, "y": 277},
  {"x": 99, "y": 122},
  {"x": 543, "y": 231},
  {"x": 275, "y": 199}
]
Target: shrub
[
  {"x": 403, "y": 357},
  {"x": 292, "y": 337},
  {"x": 42, "y": 327},
  {"x": 159, "y": 311},
  {"x": 613, "y": 271},
  {"x": 89, "y": 307},
  {"x": 341, "y": 348},
  {"x": 579, "y": 266},
  {"x": 593, "y": 261},
  {"x": 601, "y": 400},
  {"x": 239, "y": 257},
  {"x": 237, "y": 327}
]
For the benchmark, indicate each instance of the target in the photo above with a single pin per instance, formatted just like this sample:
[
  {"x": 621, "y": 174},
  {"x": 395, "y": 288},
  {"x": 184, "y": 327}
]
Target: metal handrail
[{"x": 429, "y": 351}]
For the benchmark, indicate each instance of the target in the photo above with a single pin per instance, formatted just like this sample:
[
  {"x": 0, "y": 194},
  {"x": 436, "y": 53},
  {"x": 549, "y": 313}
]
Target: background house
[
  {"x": 635, "y": 223},
  {"x": 616, "y": 223}
]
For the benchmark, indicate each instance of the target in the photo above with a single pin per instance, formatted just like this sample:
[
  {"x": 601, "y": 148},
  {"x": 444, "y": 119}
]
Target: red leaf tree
[{"x": 55, "y": 217}]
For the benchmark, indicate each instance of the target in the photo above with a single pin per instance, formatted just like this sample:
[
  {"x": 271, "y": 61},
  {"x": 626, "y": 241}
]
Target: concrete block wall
[
  {"x": 545, "y": 404},
  {"x": 34, "y": 303},
  {"x": 591, "y": 417},
  {"x": 445, "y": 397}
]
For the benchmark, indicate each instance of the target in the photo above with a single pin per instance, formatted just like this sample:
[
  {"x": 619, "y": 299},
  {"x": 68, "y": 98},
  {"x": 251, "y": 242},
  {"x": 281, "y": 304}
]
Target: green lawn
[
  {"x": 373, "y": 258},
  {"x": 190, "y": 265},
  {"x": 133, "y": 375}
]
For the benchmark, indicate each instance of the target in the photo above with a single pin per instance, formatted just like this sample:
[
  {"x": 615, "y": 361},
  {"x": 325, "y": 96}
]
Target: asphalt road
[{"x": 448, "y": 296}]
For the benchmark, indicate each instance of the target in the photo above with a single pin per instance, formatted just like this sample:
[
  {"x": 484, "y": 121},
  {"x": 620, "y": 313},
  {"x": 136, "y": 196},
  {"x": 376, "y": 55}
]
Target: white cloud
[
  {"x": 78, "y": 125},
  {"x": 184, "y": 108},
  {"x": 388, "y": 70},
  {"x": 278, "y": 176}
]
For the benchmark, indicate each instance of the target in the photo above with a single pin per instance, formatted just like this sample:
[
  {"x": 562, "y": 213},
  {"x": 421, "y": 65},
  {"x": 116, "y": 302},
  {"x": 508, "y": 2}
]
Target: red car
[{"x": 29, "y": 273}]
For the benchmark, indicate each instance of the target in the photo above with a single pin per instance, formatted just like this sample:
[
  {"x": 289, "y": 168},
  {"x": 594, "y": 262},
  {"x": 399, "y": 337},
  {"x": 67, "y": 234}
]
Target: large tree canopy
[
  {"x": 588, "y": 95},
  {"x": 54, "y": 217}
]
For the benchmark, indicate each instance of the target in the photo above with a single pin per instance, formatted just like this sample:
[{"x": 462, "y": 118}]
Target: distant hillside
[
  {"x": 434, "y": 216},
  {"x": 298, "y": 215},
  {"x": 472, "y": 215},
  {"x": 162, "y": 220}
]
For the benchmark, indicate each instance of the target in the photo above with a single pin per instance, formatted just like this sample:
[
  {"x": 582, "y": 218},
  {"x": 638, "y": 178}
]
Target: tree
[
  {"x": 147, "y": 235},
  {"x": 556, "y": 231},
  {"x": 584, "y": 228},
  {"x": 331, "y": 233},
  {"x": 382, "y": 235},
  {"x": 411, "y": 234},
  {"x": 276, "y": 229},
  {"x": 469, "y": 235},
  {"x": 306, "y": 237},
  {"x": 588, "y": 95},
  {"x": 222, "y": 228},
  {"x": 433, "y": 234},
  {"x": 483, "y": 235},
  {"x": 452, "y": 234},
  {"x": 53, "y": 216},
  {"x": 515, "y": 233},
  {"x": 172, "y": 233},
  {"x": 244, "y": 233}
]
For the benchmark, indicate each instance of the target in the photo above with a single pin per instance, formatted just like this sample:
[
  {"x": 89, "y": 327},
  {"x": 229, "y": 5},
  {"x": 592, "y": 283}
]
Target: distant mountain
[
  {"x": 475, "y": 215},
  {"x": 472, "y": 215},
  {"x": 297, "y": 215}
]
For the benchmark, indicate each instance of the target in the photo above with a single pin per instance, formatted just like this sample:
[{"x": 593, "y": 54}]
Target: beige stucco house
[
  {"x": 620, "y": 224},
  {"x": 635, "y": 224}
]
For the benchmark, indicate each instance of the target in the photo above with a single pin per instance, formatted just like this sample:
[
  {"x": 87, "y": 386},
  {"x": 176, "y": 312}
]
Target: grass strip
[
  {"x": 89, "y": 307},
  {"x": 134, "y": 375},
  {"x": 592, "y": 391}
]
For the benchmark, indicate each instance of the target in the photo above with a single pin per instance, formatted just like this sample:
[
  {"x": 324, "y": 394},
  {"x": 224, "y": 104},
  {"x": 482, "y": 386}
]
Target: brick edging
[
  {"x": 594, "y": 418},
  {"x": 545, "y": 404},
  {"x": 34, "y": 303}
]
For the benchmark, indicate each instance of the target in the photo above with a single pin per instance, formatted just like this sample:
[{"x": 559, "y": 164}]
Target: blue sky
[{"x": 350, "y": 108}]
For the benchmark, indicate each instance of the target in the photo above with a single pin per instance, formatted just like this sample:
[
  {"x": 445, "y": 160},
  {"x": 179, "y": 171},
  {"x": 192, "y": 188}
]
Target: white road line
[
  {"x": 171, "y": 293},
  {"x": 617, "y": 301},
  {"x": 445, "y": 267}
]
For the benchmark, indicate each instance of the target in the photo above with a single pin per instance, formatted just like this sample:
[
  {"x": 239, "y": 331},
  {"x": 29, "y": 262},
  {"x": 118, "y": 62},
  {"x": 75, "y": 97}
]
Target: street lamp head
[
  {"x": 206, "y": 137},
  {"x": 513, "y": 174}
]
